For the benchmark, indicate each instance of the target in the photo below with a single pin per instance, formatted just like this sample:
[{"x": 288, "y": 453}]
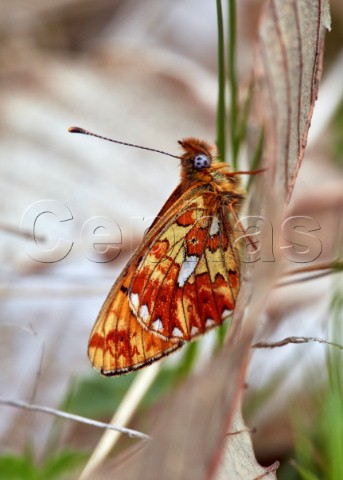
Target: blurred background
[{"x": 145, "y": 73}]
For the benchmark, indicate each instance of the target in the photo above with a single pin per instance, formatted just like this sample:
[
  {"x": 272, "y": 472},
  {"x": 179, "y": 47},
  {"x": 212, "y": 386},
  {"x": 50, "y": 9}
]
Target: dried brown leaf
[
  {"x": 239, "y": 460},
  {"x": 192, "y": 425},
  {"x": 287, "y": 70}
]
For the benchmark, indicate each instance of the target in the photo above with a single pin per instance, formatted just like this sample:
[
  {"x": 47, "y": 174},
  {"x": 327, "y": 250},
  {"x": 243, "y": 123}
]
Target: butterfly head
[{"x": 196, "y": 158}]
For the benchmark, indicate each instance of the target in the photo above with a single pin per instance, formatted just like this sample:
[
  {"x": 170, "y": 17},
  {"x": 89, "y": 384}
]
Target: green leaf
[
  {"x": 13, "y": 467},
  {"x": 62, "y": 464}
]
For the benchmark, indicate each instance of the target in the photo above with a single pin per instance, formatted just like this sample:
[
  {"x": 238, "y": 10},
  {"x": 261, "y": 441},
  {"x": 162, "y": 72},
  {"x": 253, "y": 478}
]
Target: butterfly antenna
[{"x": 86, "y": 132}]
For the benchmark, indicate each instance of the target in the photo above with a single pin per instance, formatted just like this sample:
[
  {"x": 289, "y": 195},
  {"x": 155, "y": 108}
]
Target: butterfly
[{"x": 183, "y": 279}]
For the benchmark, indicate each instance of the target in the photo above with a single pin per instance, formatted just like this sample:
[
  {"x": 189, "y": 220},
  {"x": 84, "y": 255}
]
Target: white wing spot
[
  {"x": 227, "y": 313},
  {"x": 134, "y": 300},
  {"x": 209, "y": 322},
  {"x": 186, "y": 270},
  {"x": 214, "y": 226},
  {"x": 157, "y": 325},
  {"x": 194, "y": 330},
  {"x": 177, "y": 332},
  {"x": 144, "y": 313}
]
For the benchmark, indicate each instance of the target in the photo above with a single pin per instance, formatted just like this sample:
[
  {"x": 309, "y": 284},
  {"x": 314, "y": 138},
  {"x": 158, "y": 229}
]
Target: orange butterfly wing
[
  {"x": 187, "y": 278},
  {"x": 118, "y": 344},
  {"x": 181, "y": 281}
]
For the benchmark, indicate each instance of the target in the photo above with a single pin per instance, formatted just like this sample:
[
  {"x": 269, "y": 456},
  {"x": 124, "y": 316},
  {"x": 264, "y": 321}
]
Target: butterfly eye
[{"x": 201, "y": 161}]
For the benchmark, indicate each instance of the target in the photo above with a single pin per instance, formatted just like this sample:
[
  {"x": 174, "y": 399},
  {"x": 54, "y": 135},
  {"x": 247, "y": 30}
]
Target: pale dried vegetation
[{"x": 145, "y": 72}]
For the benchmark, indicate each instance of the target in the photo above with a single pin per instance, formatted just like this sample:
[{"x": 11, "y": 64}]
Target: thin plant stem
[
  {"x": 233, "y": 83},
  {"x": 221, "y": 104},
  {"x": 257, "y": 157},
  {"x": 70, "y": 416}
]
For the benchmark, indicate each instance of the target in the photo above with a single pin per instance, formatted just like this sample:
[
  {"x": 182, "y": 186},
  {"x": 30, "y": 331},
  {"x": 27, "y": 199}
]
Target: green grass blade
[
  {"x": 221, "y": 104},
  {"x": 232, "y": 72},
  {"x": 256, "y": 161}
]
